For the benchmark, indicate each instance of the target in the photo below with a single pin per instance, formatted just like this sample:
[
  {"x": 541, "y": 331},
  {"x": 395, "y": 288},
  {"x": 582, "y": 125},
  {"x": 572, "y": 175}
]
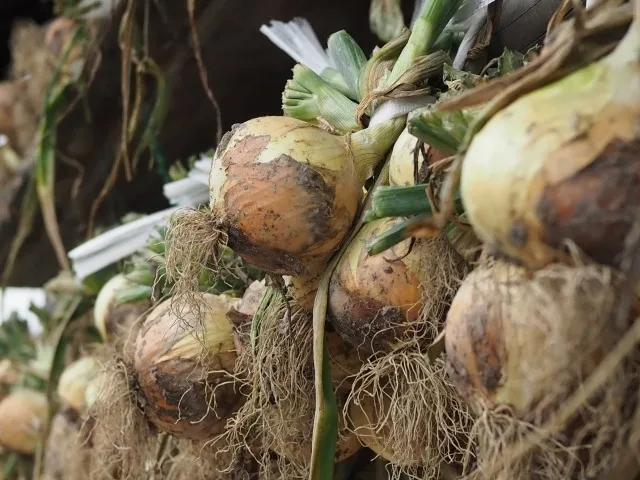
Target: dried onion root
[
  {"x": 519, "y": 345},
  {"x": 278, "y": 413}
]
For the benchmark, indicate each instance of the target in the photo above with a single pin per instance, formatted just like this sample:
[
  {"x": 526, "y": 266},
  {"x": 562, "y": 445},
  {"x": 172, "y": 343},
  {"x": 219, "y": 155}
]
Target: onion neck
[
  {"x": 369, "y": 145},
  {"x": 628, "y": 50}
]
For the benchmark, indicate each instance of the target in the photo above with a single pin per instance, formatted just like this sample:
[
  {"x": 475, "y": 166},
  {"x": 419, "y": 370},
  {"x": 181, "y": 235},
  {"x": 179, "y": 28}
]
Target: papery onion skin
[
  {"x": 282, "y": 214},
  {"x": 370, "y": 296},
  {"x": 177, "y": 378},
  {"x": 558, "y": 165},
  {"x": 23, "y": 414},
  {"x": 74, "y": 381}
]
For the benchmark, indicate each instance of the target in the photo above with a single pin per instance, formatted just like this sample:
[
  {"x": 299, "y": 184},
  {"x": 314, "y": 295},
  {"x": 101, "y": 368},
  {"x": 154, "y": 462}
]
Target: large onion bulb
[
  {"x": 182, "y": 366},
  {"x": 23, "y": 414},
  {"x": 287, "y": 191},
  {"x": 559, "y": 165}
]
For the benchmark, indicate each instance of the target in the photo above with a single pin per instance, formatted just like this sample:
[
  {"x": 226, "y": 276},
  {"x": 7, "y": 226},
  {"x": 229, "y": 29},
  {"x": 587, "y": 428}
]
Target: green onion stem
[
  {"x": 349, "y": 59},
  {"x": 434, "y": 16},
  {"x": 308, "y": 97},
  {"x": 442, "y": 130}
]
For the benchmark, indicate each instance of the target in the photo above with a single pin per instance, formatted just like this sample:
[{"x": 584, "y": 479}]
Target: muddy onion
[
  {"x": 110, "y": 317},
  {"x": 182, "y": 372},
  {"x": 74, "y": 380},
  {"x": 375, "y": 301},
  {"x": 517, "y": 339},
  {"x": 23, "y": 414},
  {"x": 286, "y": 191},
  {"x": 560, "y": 165}
]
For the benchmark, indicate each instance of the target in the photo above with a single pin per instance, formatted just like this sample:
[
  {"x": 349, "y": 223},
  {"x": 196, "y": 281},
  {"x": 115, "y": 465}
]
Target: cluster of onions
[
  {"x": 531, "y": 194},
  {"x": 500, "y": 321},
  {"x": 23, "y": 414}
]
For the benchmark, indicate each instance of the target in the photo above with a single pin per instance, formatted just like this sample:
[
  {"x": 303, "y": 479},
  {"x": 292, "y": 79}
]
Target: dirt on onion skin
[
  {"x": 257, "y": 194},
  {"x": 597, "y": 207}
]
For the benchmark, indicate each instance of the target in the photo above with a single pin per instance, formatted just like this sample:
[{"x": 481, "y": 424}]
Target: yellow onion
[
  {"x": 559, "y": 165},
  {"x": 522, "y": 340},
  {"x": 23, "y": 414},
  {"x": 110, "y": 317},
  {"x": 183, "y": 368},
  {"x": 286, "y": 192},
  {"x": 74, "y": 380},
  {"x": 401, "y": 161},
  {"x": 375, "y": 302},
  {"x": 94, "y": 389}
]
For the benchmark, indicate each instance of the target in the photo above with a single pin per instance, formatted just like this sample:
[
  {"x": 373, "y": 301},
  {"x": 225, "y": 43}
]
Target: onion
[
  {"x": 182, "y": 372},
  {"x": 74, "y": 381},
  {"x": 94, "y": 389},
  {"x": 560, "y": 165},
  {"x": 110, "y": 317},
  {"x": 283, "y": 192},
  {"x": 401, "y": 162},
  {"x": 376, "y": 302},
  {"x": 362, "y": 415},
  {"x": 23, "y": 414},
  {"x": 502, "y": 320}
]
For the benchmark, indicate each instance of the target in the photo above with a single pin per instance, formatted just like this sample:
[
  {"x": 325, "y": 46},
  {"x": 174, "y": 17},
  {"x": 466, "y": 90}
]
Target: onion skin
[
  {"x": 74, "y": 381},
  {"x": 560, "y": 164},
  {"x": 108, "y": 316},
  {"x": 169, "y": 364},
  {"x": 23, "y": 414},
  {"x": 282, "y": 214},
  {"x": 370, "y": 294}
]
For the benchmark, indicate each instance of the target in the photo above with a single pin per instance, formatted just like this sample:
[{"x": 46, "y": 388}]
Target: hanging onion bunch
[
  {"x": 521, "y": 347},
  {"x": 392, "y": 306}
]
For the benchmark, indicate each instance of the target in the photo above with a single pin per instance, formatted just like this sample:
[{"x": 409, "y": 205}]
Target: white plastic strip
[
  {"x": 298, "y": 40},
  {"x": 115, "y": 244},
  {"x": 398, "y": 107}
]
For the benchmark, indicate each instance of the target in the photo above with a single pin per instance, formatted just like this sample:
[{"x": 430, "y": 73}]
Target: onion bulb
[
  {"x": 376, "y": 302},
  {"x": 94, "y": 389},
  {"x": 109, "y": 317},
  {"x": 74, "y": 380},
  {"x": 23, "y": 414},
  {"x": 182, "y": 366},
  {"x": 401, "y": 161},
  {"x": 284, "y": 193},
  {"x": 525, "y": 340},
  {"x": 559, "y": 165}
]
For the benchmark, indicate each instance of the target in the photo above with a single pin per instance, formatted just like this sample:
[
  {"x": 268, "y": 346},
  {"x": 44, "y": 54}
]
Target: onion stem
[
  {"x": 349, "y": 59},
  {"x": 434, "y": 16},
  {"x": 308, "y": 97},
  {"x": 442, "y": 130},
  {"x": 372, "y": 143}
]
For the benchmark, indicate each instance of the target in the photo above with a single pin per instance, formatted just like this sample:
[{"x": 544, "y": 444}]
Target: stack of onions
[
  {"x": 184, "y": 368},
  {"x": 23, "y": 414},
  {"x": 526, "y": 343},
  {"x": 114, "y": 320},
  {"x": 531, "y": 194}
]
